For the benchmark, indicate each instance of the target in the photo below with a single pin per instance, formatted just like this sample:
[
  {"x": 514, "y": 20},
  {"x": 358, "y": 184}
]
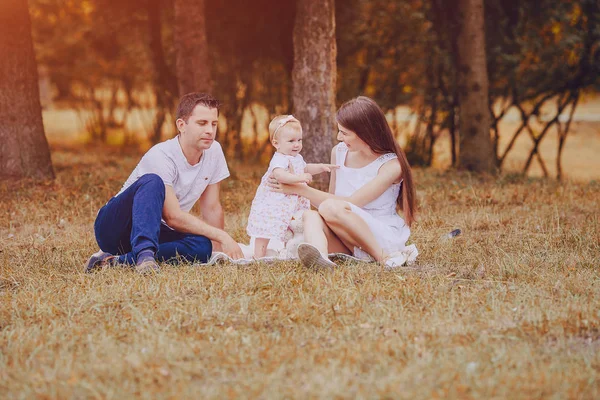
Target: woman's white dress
[
  {"x": 387, "y": 226},
  {"x": 271, "y": 212}
]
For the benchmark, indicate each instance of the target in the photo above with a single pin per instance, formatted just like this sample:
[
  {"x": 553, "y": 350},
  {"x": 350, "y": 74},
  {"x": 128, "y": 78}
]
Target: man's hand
[
  {"x": 217, "y": 246},
  {"x": 231, "y": 248}
]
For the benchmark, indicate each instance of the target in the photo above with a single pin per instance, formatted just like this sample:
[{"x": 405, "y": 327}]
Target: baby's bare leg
[{"x": 260, "y": 247}]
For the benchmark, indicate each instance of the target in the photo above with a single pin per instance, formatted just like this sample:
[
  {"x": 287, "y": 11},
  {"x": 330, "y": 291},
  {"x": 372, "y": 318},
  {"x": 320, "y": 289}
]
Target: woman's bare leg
[
  {"x": 317, "y": 233},
  {"x": 351, "y": 229}
]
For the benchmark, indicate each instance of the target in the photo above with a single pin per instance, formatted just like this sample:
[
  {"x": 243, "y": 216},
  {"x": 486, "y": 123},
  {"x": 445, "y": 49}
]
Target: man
[{"x": 149, "y": 219}]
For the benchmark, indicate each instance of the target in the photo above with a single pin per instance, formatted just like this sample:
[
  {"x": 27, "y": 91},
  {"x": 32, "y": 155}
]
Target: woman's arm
[
  {"x": 388, "y": 174},
  {"x": 332, "y": 175},
  {"x": 318, "y": 196}
]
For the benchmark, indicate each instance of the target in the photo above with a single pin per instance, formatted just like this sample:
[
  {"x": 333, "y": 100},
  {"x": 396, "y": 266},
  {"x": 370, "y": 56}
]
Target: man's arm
[
  {"x": 187, "y": 223},
  {"x": 212, "y": 211}
]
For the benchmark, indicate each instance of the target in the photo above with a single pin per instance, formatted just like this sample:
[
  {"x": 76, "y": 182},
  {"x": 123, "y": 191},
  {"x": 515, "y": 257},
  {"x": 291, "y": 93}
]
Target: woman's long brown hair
[{"x": 364, "y": 117}]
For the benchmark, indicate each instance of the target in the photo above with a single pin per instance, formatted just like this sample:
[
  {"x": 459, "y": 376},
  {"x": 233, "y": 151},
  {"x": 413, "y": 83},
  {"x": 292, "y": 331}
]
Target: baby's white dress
[
  {"x": 271, "y": 212},
  {"x": 387, "y": 226}
]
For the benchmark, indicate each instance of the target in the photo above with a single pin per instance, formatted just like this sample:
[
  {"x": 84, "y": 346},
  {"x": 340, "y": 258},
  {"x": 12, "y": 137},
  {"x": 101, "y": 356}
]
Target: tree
[
  {"x": 165, "y": 82},
  {"x": 476, "y": 152},
  {"x": 314, "y": 76},
  {"x": 191, "y": 49},
  {"x": 251, "y": 56},
  {"x": 542, "y": 56},
  {"x": 98, "y": 59},
  {"x": 24, "y": 151}
]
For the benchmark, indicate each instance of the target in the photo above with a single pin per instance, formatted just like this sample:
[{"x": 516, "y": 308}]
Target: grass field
[{"x": 510, "y": 309}]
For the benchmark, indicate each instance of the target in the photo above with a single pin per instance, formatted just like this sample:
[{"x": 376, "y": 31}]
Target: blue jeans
[{"x": 131, "y": 222}]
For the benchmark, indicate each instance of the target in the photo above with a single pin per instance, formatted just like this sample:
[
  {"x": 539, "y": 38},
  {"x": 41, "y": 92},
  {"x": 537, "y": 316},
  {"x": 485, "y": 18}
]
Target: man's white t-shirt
[{"x": 167, "y": 160}]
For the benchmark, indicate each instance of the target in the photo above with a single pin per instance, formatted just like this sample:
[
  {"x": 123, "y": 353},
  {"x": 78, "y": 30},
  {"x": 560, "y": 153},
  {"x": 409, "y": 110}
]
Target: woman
[{"x": 359, "y": 213}]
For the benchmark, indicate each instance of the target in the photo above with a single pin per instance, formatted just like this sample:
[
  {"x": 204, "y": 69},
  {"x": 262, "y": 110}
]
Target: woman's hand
[
  {"x": 279, "y": 187},
  {"x": 306, "y": 177}
]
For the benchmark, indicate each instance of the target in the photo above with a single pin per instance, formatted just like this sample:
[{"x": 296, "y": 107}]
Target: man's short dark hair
[{"x": 189, "y": 101}]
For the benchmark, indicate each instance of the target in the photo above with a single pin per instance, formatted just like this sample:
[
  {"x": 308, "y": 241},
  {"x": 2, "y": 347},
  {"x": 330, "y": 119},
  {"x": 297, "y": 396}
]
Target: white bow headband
[{"x": 283, "y": 122}]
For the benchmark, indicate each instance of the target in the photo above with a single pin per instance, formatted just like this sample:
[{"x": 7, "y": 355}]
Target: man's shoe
[
  {"x": 312, "y": 258},
  {"x": 148, "y": 266},
  {"x": 97, "y": 261}
]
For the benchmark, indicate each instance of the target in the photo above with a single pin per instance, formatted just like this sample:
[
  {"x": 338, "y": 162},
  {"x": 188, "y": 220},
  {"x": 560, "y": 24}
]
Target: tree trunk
[
  {"x": 165, "y": 83},
  {"x": 24, "y": 152},
  {"x": 476, "y": 152},
  {"x": 191, "y": 48},
  {"x": 313, "y": 79},
  {"x": 452, "y": 130}
]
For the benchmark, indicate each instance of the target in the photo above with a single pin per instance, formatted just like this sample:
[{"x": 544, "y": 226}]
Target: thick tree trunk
[
  {"x": 165, "y": 83},
  {"x": 313, "y": 78},
  {"x": 24, "y": 151},
  {"x": 476, "y": 151},
  {"x": 191, "y": 48}
]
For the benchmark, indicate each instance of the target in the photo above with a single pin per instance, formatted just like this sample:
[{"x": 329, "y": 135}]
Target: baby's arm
[
  {"x": 315, "y": 169},
  {"x": 284, "y": 176}
]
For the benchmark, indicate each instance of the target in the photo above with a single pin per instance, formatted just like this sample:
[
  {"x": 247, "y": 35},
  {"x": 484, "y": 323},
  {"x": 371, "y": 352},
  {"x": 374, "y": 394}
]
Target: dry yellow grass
[{"x": 511, "y": 309}]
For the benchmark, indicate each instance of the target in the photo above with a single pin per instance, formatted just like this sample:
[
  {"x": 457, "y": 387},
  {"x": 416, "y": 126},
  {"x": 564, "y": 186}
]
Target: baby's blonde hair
[{"x": 281, "y": 122}]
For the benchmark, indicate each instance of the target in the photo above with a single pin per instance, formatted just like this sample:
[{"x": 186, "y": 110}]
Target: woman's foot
[
  {"x": 396, "y": 260},
  {"x": 312, "y": 258}
]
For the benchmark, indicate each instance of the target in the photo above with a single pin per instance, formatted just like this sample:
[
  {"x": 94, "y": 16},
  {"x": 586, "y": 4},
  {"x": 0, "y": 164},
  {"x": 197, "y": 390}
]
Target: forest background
[
  {"x": 508, "y": 309},
  {"x": 109, "y": 74}
]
